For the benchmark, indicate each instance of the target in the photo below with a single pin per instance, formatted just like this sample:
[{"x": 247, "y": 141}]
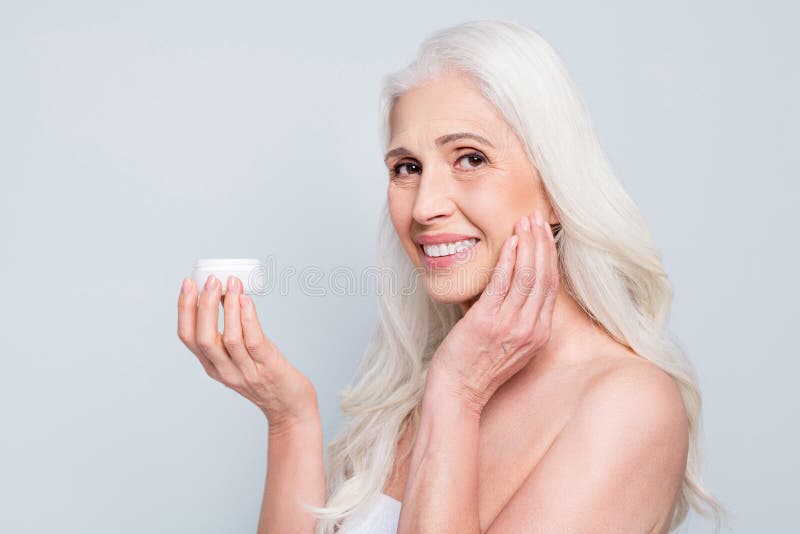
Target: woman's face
[{"x": 458, "y": 175}]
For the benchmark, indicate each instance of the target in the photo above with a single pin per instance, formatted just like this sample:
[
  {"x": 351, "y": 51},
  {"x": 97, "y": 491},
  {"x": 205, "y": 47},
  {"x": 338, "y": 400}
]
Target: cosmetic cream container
[{"x": 251, "y": 272}]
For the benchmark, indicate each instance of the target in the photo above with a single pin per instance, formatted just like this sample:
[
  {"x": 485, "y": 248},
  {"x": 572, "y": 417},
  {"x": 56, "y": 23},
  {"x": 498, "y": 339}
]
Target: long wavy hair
[{"x": 607, "y": 258}]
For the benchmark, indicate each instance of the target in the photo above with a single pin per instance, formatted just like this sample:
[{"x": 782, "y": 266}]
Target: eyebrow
[{"x": 443, "y": 140}]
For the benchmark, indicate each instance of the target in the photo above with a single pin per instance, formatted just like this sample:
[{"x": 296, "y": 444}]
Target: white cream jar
[{"x": 251, "y": 272}]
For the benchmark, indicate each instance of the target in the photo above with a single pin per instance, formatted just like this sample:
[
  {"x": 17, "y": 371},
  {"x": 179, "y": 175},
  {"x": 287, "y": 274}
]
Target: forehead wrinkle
[
  {"x": 441, "y": 141},
  {"x": 457, "y": 132},
  {"x": 447, "y": 138},
  {"x": 450, "y": 137}
]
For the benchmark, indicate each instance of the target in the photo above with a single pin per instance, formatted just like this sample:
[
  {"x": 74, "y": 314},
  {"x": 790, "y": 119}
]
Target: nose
[{"x": 434, "y": 199}]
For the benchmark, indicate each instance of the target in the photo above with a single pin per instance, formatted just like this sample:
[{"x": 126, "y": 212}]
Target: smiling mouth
[{"x": 448, "y": 249}]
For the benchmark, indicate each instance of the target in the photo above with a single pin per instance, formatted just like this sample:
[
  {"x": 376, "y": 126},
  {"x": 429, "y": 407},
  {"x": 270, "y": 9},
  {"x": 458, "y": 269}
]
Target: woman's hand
[
  {"x": 510, "y": 321},
  {"x": 242, "y": 357}
]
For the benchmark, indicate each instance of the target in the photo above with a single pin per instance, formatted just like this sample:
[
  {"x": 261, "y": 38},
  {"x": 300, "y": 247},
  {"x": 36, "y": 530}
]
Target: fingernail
[
  {"x": 212, "y": 281},
  {"x": 539, "y": 219},
  {"x": 231, "y": 283},
  {"x": 185, "y": 286},
  {"x": 514, "y": 239},
  {"x": 526, "y": 226}
]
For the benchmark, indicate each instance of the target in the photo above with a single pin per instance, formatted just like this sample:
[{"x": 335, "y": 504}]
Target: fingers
[
  {"x": 542, "y": 290},
  {"x": 258, "y": 345},
  {"x": 549, "y": 305},
  {"x": 231, "y": 356},
  {"x": 232, "y": 335},
  {"x": 187, "y": 319},
  {"x": 497, "y": 288},
  {"x": 523, "y": 279},
  {"x": 207, "y": 336},
  {"x": 187, "y": 313}
]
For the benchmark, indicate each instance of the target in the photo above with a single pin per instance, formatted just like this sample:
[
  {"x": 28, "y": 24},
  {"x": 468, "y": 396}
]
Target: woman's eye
[
  {"x": 474, "y": 160},
  {"x": 411, "y": 169}
]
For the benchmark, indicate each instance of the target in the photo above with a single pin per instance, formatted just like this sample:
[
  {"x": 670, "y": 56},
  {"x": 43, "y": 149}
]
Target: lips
[
  {"x": 436, "y": 239},
  {"x": 446, "y": 249}
]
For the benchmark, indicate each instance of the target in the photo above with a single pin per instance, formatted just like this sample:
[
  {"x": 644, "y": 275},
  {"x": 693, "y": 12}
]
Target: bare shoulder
[
  {"x": 633, "y": 390},
  {"x": 618, "y": 461},
  {"x": 633, "y": 418}
]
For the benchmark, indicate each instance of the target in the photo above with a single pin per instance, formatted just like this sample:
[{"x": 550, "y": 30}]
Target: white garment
[{"x": 382, "y": 516}]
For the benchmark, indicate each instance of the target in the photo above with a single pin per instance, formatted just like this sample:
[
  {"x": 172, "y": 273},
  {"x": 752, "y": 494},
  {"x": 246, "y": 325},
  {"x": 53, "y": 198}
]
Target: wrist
[
  {"x": 310, "y": 424},
  {"x": 445, "y": 387},
  {"x": 301, "y": 419},
  {"x": 296, "y": 406}
]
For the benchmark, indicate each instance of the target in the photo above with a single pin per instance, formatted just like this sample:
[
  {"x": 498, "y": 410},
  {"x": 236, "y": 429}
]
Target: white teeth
[{"x": 446, "y": 249}]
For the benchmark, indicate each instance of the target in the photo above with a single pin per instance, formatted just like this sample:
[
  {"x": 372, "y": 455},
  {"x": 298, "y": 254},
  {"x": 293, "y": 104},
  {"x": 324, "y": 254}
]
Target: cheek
[
  {"x": 400, "y": 212},
  {"x": 493, "y": 210},
  {"x": 501, "y": 201}
]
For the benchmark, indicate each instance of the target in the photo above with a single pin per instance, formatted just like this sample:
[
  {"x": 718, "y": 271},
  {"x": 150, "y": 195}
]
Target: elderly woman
[{"x": 529, "y": 383}]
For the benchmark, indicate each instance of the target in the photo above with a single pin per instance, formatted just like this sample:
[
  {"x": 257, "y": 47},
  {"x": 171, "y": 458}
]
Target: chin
[
  {"x": 452, "y": 289},
  {"x": 451, "y": 298}
]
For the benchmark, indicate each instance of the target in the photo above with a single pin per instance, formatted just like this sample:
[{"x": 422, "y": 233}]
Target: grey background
[{"x": 136, "y": 138}]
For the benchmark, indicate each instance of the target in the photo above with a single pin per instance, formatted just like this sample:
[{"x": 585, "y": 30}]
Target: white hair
[{"x": 607, "y": 258}]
